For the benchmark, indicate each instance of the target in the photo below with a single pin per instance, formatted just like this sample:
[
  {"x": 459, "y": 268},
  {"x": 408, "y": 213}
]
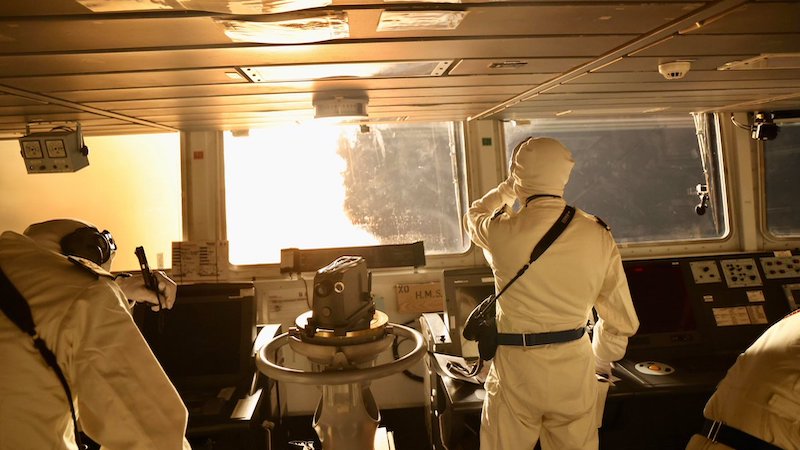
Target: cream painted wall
[{"x": 132, "y": 187}]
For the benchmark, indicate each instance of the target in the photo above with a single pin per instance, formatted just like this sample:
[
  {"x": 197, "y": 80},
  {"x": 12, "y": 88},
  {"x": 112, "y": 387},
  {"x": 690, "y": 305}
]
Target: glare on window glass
[
  {"x": 132, "y": 187},
  {"x": 638, "y": 175},
  {"x": 321, "y": 185}
]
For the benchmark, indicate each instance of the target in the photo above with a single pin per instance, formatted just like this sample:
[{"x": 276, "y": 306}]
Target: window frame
[
  {"x": 726, "y": 243},
  {"x": 770, "y": 239},
  {"x": 484, "y": 168},
  {"x": 459, "y": 162}
]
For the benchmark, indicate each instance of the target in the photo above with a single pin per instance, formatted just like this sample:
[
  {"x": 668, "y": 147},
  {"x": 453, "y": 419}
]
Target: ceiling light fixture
[
  {"x": 420, "y": 20},
  {"x": 389, "y": 69},
  {"x": 303, "y": 28}
]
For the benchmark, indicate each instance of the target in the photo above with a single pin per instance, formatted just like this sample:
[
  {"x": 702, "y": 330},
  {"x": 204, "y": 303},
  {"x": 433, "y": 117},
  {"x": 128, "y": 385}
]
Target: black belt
[
  {"x": 719, "y": 432},
  {"x": 532, "y": 339}
]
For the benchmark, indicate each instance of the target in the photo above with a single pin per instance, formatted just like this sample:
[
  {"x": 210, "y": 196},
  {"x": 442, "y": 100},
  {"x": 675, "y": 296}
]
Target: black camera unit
[
  {"x": 764, "y": 129},
  {"x": 342, "y": 298}
]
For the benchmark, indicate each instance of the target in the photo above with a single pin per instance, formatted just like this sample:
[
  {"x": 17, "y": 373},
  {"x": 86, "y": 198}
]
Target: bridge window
[
  {"x": 782, "y": 164},
  {"x": 316, "y": 185},
  {"x": 132, "y": 187},
  {"x": 641, "y": 175}
]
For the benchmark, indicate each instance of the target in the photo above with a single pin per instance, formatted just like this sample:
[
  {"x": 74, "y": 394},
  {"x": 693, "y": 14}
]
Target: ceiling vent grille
[{"x": 507, "y": 65}]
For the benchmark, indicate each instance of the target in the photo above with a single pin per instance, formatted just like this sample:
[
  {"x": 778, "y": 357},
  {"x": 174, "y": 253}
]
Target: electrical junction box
[{"x": 54, "y": 151}]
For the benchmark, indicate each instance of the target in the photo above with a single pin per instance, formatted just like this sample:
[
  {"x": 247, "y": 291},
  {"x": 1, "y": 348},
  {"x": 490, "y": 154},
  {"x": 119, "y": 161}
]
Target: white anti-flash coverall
[
  {"x": 548, "y": 392},
  {"x": 760, "y": 395},
  {"x": 123, "y": 397}
]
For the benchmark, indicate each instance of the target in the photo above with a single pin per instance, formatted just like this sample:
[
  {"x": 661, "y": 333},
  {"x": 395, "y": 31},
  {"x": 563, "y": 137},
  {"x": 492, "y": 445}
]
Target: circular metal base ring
[{"x": 266, "y": 361}]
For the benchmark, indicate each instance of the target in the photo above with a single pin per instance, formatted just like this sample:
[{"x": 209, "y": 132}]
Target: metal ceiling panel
[
  {"x": 542, "y": 19},
  {"x": 667, "y": 87},
  {"x": 762, "y": 17},
  {"x": 736, "y": 44},
  {"x": 80, "y": 35},
  {"x": 760, "y": 77},
  {"x": 516, "y": 82},
  {"x": 137, "y": 60},
  {"x": 56, "y": 83},
  {"x": 526, "y": 66},
  {"x": 650, "y": 64},
  {"x": 176, "y": 28},
  {"x": 262, "y": 99},
  {"x": 151, "y": 71}
]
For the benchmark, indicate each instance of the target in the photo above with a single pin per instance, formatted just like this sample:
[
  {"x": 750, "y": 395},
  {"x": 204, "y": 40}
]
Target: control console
[{"x": 697, "y": 314}]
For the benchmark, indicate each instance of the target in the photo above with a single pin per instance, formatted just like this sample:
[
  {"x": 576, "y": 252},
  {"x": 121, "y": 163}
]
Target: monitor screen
[
  {"x": 206, "y": 339},
  {"x": 659, "y": 297},
  {"x": 464, "y": 289}
]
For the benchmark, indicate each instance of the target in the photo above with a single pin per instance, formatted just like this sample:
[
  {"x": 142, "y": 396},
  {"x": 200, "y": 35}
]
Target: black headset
[{"x": 87, "y": 242}]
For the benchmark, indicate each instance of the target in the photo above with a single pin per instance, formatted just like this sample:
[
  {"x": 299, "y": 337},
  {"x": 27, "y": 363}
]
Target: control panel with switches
[
  {"x": 741, "y": 272},
  {"x": 780, "y": 266}
]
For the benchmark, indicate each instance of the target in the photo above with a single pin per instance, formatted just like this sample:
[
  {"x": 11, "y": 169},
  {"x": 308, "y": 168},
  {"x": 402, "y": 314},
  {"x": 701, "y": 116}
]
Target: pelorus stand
[{"x": 347, "y": 416}]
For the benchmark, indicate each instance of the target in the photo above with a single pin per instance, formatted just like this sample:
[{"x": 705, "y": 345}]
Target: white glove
[
  {"x": 135, "y": 290},
  {"x": 602, "y": 367},
  {"x": 513, "y": 163},
  {"x": 506, "y": 188}
]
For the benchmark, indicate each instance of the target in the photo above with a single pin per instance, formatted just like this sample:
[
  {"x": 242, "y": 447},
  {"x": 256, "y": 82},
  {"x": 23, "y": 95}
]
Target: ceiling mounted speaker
[{"x": 342, "y": 108}]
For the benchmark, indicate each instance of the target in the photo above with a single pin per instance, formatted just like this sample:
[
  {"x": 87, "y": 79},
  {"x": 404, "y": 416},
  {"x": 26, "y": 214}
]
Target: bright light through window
[
  {"x": 282, "y": 187},
  {"x": 322, "y": 185},
  {"x": 132, "y": 187}
]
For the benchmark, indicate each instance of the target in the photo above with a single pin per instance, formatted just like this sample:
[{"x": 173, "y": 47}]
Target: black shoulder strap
[
  {"x": 14, "y": 305},
  {"x": 544, "y": 243}
]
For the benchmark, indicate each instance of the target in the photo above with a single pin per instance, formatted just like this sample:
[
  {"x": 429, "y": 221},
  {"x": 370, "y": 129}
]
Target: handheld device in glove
[{"x": 150, "y": 281}]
